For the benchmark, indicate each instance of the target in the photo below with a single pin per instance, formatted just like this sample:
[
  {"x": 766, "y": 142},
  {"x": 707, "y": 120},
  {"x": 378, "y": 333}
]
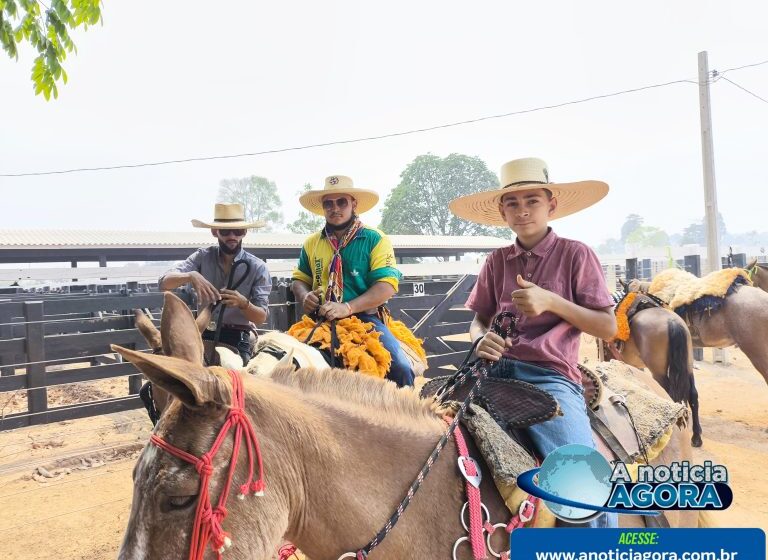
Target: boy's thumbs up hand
[
  {"x": 530, "y": 299},
  {"x": 524, "y": 283}
]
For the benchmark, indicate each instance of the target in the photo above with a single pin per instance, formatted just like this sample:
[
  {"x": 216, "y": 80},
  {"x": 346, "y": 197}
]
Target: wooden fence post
[
  {"x": 6, "y": 331},
  {"x": 294, "y": 313},
  {"x": 280, "y": 314},
  {"x": 37, "y": 392},
  {"x": 631, "y": 270}
]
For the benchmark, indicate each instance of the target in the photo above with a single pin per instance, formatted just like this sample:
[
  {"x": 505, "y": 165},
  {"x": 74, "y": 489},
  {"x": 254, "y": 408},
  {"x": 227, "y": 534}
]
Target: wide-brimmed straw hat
[
  {"x": 523, "y": 175},
  {"x": 228, "y": 216},
  {"x": 338, "y": 184}
]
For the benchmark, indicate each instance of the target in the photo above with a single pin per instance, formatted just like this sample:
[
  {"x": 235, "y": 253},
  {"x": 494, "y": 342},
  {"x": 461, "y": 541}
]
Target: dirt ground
[{"x": 65, "y": 489}]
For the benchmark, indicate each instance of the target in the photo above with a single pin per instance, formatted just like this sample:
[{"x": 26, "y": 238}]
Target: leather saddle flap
[{"x": 611, "y": 421}]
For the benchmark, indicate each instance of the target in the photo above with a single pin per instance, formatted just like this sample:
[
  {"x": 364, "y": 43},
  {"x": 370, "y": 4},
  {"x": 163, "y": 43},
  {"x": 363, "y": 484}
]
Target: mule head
[{"x": 167, "y": 489}]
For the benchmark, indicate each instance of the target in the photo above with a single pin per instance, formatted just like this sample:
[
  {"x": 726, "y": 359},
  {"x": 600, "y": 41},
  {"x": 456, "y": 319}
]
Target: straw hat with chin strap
[
  {"x": 524, "y": 175},
  {"x": 336, "y": 185},
  {"x": 228, "y": 216}
]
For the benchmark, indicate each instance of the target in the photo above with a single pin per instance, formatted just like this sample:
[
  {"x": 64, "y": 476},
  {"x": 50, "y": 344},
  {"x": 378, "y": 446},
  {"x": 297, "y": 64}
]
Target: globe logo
[{"x": 579, "y": 474}]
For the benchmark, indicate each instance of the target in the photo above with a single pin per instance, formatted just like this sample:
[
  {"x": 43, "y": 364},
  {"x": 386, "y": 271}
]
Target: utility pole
[
  {"x": 708, "y": 164},
  {"x": 710, "y": 188}
]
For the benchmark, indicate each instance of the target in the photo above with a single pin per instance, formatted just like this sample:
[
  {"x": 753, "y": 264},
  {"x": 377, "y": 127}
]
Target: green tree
[
  {"x": 419, "y": 204},
  {"x": 632, "y": 222},
  {"x": 49, "y": 34},
  {"x": 259, "y": 198},
  {"x": 306, "y": 222}
]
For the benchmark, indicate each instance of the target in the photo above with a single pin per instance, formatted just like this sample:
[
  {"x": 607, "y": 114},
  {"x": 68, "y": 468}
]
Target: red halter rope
[{"x": 208, "y": 520}]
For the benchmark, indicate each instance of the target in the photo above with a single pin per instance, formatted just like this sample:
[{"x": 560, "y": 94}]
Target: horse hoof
[{"x": 696, "y": 441}]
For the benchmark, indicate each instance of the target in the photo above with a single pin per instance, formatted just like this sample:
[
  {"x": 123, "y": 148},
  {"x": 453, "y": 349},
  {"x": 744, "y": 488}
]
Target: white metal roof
[{"x": 102, "y": 239}]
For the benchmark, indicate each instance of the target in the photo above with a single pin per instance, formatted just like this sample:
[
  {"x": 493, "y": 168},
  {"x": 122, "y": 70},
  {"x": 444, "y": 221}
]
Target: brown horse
[
  {"x": 660, "y": 341},
  {"x": 339, "y": 451},
  {"x": 742, "y": 320}
]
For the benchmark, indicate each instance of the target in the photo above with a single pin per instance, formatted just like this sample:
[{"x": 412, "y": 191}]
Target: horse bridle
[{"x": 207, "y": 526}]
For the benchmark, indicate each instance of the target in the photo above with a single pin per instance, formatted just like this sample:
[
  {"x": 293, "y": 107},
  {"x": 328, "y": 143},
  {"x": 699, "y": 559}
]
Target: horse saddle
[
  {"x": 515, "y": 404},
  {"x": 512, "y": 403}
]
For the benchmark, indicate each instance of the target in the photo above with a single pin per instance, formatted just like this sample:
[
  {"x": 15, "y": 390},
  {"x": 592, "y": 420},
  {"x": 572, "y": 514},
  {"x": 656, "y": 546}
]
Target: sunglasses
[
  {"x": 226, "y": 232},
  {"x": 340, "y": 203}
]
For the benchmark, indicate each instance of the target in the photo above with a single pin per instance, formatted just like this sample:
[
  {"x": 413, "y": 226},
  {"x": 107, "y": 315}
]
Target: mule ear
[
  {"x": 192, "y": 383},
  {"x": 147, "y": 329},
  {"x": 203, "y": 319},
  {"x": 623, "y": 284},
  {"x": 178, "y": 331}
]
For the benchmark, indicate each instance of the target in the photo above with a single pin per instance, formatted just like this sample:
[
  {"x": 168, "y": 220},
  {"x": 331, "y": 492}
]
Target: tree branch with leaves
[
  {"x": 259, "y": 199},
  {"x": 48, "y": 32},
  {"x": 419, "y": 204}
]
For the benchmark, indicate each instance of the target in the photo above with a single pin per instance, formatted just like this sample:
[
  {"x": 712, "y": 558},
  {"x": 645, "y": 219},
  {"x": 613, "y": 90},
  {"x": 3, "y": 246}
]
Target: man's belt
[{"x": 242, "y": 328}]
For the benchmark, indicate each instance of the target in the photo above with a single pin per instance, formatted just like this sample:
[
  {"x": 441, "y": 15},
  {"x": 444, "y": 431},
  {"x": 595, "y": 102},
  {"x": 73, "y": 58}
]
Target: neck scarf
[{"x": 335, "y": 291}]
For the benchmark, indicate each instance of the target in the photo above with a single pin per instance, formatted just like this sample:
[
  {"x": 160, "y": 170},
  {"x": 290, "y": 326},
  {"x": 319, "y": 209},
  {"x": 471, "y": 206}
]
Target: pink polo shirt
[{"x": 563, "y": 266}]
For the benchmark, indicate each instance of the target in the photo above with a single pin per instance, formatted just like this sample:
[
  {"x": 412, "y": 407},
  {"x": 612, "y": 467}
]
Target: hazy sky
[{"x": 167, "y": 80}]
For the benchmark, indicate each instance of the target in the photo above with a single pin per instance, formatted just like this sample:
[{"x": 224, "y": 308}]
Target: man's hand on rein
[
  {"x": 233, "y": 298},
  {"x": 311, "y": 301},
  {"x": 206, "y": 292},
  {"x": 334, "y": 310}
]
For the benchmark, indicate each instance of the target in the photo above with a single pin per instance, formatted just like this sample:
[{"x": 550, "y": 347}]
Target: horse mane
[{"x": 381, "y": 399}]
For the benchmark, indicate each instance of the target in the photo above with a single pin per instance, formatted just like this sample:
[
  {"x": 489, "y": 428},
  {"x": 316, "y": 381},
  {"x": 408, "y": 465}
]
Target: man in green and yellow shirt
[{"x": 348, "y": 268}]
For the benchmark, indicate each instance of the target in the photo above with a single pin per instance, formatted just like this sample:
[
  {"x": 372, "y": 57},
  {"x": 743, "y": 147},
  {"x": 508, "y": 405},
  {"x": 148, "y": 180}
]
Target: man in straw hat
[
  {"x": 348, "y": 268},
  {"x": 208, "y": 271},
  {"x": 554, "y": 287}
]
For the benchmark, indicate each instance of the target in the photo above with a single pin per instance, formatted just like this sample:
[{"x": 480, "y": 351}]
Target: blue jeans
[
  {"x": 400, "y": 370},
  {"x": 572, "y": 427}
]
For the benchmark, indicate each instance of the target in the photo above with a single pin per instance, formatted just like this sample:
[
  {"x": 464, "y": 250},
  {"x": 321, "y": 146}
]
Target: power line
[
  {"x": 742, "y": 88},
  {"x": 352, "y": 140},
  {"x": 745, "y": 66},
  {"x": 373, "y": 138}
]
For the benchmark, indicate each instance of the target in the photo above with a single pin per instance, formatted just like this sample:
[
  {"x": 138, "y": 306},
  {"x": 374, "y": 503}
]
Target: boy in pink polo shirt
[{"x": 554, "y": 287}]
